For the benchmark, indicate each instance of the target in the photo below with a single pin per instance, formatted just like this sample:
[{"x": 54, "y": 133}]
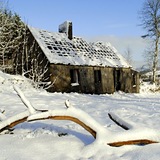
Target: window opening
[{"x": 74, "y": 73}]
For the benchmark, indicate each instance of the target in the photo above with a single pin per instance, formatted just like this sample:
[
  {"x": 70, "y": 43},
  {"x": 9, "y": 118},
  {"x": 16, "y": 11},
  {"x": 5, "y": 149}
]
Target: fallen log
[
  {"x": 89, "y": 129},
  {"x": 73, "y": 114}
]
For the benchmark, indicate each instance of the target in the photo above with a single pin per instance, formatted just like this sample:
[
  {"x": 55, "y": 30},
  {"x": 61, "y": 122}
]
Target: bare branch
[
  {"x": 74, "y": 119},
  {"x": 119, "y": 121},
  {"x": 24, "y": 100},
  {"x": 132, "y": 142}
]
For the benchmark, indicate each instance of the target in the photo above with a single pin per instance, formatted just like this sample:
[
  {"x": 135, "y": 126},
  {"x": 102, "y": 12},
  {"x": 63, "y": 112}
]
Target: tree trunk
[{"x": 155, "y": 60}]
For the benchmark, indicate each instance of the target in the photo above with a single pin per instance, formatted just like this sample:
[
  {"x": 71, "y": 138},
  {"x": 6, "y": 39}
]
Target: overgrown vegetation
[
  {"x": 12, "y": 31},
  {"x": 17, "y": 53}
]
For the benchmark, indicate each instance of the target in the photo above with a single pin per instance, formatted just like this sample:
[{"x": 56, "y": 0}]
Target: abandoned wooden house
[{"x": 74, "y": 65}]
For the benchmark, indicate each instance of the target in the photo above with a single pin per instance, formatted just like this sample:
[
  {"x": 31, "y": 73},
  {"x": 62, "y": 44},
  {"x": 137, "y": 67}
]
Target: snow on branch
[
  {"x": 99, "y": 132},
  {"x": 73, "y": 114},
  {"x": 27, "y": 103},
  {"x": 13, "y": 121},
  {"x": 119, "y": 121},
  {"x": 67, "y": 104}
]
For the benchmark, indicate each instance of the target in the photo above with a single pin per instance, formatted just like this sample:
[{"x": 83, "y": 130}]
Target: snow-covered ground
[{"x": 53, "y": 139}]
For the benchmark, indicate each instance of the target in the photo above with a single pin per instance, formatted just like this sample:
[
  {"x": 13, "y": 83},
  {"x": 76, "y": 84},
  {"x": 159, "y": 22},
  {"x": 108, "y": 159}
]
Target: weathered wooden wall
[
  {"x": 61, "y": 78},
  {"x": 126, "y": 76},
  {"x": 129, "y": 80},
  {"x": 107, "y": 80}
]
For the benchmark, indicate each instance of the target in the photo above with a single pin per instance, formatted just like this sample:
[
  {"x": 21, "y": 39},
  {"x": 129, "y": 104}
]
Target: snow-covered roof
[{"x": 60, "y": 50}]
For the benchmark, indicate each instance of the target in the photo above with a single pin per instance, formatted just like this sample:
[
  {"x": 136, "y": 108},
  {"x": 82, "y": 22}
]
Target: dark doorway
[
  {"x": 117, "y": 83},
  {"x": 97, "y": 81}
]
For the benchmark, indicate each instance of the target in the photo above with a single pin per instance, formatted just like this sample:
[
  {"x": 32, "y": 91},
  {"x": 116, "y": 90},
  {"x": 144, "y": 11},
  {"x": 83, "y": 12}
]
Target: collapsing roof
[{"x": 59, "y": 49}]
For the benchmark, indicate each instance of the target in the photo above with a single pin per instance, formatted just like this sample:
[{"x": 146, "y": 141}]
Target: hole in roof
[
  {"x": 49, "y": 47},
  {"x": 60, "y": 42},
  {"x": 55, "y": 48}
]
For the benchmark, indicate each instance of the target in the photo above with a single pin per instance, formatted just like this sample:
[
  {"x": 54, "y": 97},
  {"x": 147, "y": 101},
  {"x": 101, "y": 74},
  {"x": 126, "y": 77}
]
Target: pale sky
[{"x": 116, "y": 21}]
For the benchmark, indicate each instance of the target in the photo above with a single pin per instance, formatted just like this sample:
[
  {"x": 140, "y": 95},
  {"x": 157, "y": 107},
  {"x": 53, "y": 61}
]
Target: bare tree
[
  {"x": 37, "y": 72},
  {"x": 30, "y": 63},
  {"x": 128, "y": 55},
  {"x": 150, "y": 17},
  {"x": 19, "y": 53},
  {"x": 148, "y": 56}
]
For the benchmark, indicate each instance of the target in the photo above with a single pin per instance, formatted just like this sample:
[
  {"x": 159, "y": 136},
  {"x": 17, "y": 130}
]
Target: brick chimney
[{"x": 66, "y": 28}]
